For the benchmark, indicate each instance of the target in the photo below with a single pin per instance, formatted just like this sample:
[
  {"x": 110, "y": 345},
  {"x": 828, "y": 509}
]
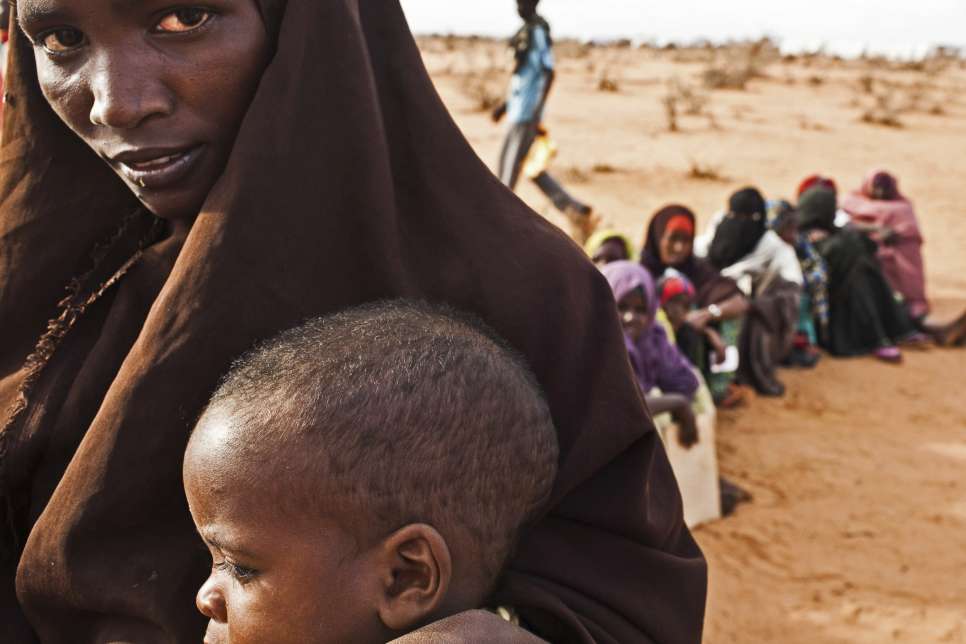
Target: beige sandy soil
[{"x": 858, "y": 528}]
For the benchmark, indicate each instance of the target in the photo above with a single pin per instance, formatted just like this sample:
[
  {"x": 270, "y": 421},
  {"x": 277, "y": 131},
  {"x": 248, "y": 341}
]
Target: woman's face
[
  {"x": 675, "y": 247},
  {"x": 634, "y": 312},
  {"x": 157, "y": 88}
]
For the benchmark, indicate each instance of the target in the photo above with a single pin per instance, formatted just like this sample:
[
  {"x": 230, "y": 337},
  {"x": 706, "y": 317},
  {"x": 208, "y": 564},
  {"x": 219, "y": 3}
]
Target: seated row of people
[{"x": 774, "y": 282}]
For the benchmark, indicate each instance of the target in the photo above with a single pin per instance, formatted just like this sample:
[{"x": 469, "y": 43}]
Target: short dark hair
[{"x": 415, "y": 414}]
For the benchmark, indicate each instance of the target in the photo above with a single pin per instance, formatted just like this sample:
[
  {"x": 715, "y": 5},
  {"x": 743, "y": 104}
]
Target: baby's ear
[{"x": 417, "y": 571}]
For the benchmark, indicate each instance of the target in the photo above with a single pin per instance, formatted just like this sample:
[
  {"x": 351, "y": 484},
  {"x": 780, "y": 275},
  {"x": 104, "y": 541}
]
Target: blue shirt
[{"x": 530, "y": 80}]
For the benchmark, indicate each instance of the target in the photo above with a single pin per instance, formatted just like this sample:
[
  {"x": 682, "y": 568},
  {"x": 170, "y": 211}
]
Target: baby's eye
[
  {"x": 61, "y": 41},
  {"x": 184, "y": 20},
  {"x": 240, "y": 573}
]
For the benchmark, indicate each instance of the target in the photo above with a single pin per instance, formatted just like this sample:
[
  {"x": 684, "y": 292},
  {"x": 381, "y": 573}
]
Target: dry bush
[
  {"x": 604, "y": 168},
  {"x": 607, "y": 71},
  {"x": 705, "y": 171},
  {"x": 607, "y": 83},
  {"x": 884, "y": 113},
  {"x": 816, "y": 80},
  {"x": 573, "y": 174},
  {"x": 809, "y": 125},
  {"x": 867, "y": 83},
  {"x": 685, "y": 99},
  {"x": 670, "y": 102},
  {"x": 570, "y": 48},
  {"x": 739, "y": 64},
  {"x": 483, "y": 80}
]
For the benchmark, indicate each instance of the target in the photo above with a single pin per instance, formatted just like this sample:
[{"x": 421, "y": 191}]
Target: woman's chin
[{"x": 173, "y": 207}]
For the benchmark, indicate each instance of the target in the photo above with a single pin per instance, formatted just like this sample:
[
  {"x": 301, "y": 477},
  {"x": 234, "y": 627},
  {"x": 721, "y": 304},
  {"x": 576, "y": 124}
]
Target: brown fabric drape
[{"x": 346, "y": 139}]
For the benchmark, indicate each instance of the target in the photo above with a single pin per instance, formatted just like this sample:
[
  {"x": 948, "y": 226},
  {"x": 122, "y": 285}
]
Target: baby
[{"x": 367, "y": 475}]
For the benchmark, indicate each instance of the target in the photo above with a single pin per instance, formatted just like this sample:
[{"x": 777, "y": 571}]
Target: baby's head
[
  {"x": 364, "y": 474},
  {"x": 676, "y": 293}
]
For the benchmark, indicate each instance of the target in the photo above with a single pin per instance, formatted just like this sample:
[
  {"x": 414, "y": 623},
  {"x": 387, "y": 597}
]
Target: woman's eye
[
  {"x": 62, "y": 40},
  {"x": 183, "y": 20}
]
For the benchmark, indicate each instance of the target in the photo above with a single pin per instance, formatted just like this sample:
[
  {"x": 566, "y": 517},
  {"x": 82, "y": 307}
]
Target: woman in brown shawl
[
  {"x": 343, "y": 138},
  {"x": 719, "y": 303}
]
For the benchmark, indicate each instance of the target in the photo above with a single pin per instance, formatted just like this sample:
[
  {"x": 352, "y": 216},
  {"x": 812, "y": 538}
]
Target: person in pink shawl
[
  {"x": 890, "y": 219},
  {"x": 880, "y": 210}
]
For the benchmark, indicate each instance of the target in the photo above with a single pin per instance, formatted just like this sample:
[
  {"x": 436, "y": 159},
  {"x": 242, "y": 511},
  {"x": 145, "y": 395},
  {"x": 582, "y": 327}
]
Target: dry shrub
[
  {"x": 607, "y": 83},
  {"x": 884, "y": 113},
  {"x": 816, "y": 81},
  {"x": 484, "y": 81},
  {"x": 867, "y": 83},
  {"x": 705, "y": 171},
  {"x": 670, "y": 102},
  {"x": 809, "y": 125},
  {"x": 570, "y": 48},
  {"x": 739, "y": 64},
  {"x": 682, "y": 98},
  {"x": 573, "y": 174},
  {"x": 604, "y": 168},
  {"x": 607, "y": 71}
]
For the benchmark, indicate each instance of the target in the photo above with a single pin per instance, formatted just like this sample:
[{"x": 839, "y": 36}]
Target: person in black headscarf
[
  {"x": 864, "y": 315},
  {"x": 743, "y": 248},
  {"x": 146, "y": 166}
]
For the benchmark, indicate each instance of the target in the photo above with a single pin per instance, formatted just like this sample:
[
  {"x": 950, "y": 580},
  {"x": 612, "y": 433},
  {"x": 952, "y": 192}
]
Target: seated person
[
  {"x": 676, "y": 294},
  {"x": 606, "y": 246},
  {"x": 864, "y": 316},
  {"x": 664, "y": 374},
  {"x": 720, "y": 304},
  {"x": 740, "y": 245},
  {"x": 367, "y": 475},
  {"x": 889, "y": 218},
  {"x": 813, "y": 314}
]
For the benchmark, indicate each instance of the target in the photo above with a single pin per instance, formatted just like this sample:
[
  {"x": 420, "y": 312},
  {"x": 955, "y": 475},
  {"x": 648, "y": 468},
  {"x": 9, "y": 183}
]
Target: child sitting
[
  {"x": 367, "y": 475},
  {"x": 664, "y": 374},
  {"x": 813, "y": 313}
]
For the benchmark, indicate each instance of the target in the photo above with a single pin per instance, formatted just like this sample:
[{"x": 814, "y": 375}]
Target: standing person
[
  {"x": 156, "y": 178},
  {"x": 533, "y": 77}
]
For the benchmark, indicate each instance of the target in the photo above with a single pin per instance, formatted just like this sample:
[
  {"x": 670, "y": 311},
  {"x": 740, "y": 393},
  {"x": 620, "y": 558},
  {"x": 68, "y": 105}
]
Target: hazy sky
[{"x": 847, "y": 26}]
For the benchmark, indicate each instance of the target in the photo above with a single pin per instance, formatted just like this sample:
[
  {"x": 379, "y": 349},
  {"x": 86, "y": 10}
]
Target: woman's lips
[{"x": 158, "y": 170}]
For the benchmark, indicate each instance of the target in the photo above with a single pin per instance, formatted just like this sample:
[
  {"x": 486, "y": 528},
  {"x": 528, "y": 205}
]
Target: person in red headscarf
[{"x": 669, "y": 244}]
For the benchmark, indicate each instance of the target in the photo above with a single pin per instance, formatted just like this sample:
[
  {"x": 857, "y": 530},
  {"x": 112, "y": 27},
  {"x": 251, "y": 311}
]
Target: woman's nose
[
  {"x": 126, "y": 93},
  {"x": 211, "y": 602}
]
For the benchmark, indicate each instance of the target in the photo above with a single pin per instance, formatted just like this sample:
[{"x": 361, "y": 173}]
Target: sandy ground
[{"x": 856, "y": 533}]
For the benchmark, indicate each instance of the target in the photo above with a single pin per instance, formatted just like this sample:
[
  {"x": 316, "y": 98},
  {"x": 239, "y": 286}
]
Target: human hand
[
  {"x": 698, "y": 319},
  {"x": 687, "y": 426},
  {"x": 815, "y": 236},
  {"x": 888, "y": 236}
]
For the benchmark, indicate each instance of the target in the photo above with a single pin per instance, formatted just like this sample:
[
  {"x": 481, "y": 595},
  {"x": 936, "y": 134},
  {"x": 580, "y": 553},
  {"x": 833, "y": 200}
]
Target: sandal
[{"x": 889, "y": 354}]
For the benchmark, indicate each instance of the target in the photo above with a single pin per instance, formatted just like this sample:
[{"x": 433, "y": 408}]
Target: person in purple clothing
[{"x": 657, "y": 362}]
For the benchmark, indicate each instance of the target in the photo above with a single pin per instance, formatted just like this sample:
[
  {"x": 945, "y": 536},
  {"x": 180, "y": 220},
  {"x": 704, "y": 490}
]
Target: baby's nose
[{"x": 211, "y": 602}]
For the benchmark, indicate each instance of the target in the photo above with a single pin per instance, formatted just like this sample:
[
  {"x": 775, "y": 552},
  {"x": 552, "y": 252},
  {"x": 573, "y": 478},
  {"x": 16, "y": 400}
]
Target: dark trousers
[{"x": 514, "y": 153}]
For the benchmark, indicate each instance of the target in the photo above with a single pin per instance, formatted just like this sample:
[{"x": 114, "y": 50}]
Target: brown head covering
[
  {"x": 345, "y": 139},
  {"x": 711, "y": 286}
]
